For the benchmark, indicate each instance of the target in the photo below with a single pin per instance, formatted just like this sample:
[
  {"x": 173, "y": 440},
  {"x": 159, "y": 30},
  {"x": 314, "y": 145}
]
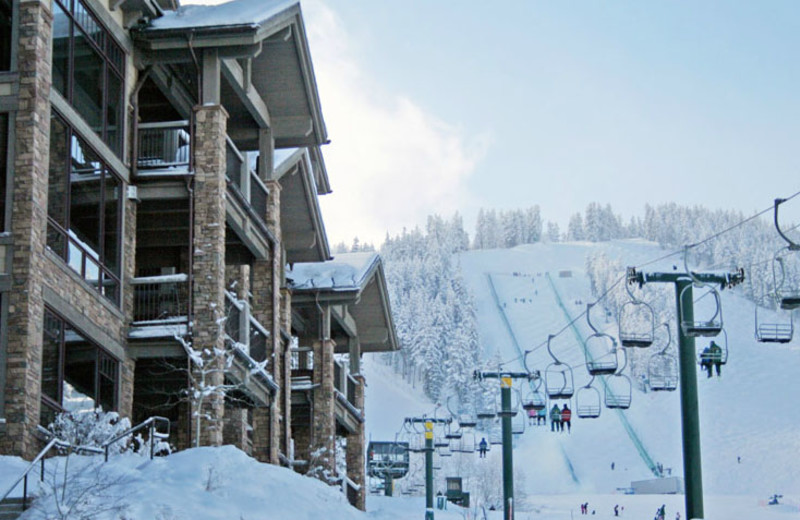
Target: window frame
[
  {"x": 113, "y": 57},
  {"x": 56, "y": 403},
  {"x": 106, "y": 270}
]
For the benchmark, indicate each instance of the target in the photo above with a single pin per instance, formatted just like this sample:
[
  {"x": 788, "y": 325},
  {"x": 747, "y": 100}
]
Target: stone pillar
[
  {"x": 237, "y": 278},
  {"x": 323, "y": 420},
  {"x": 208, "y": 269},
  {"x": 235, "y": 429},
  {"x": 28, "y": 225},
  {"x": 262, "y": 436},
  {"x": 266, "y": 309},
  {"x": 356, "y": 460}
]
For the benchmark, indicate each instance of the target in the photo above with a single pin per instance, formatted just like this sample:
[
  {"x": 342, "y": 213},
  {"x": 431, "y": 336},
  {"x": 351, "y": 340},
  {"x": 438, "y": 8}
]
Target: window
[
  {"x": 77, "y": 375},
  {"x": 84, "y": 210},
  {"x": 88, "y": 69},
  {"x": 3, "y": 168},
  {"x": 5, "y": 35}
]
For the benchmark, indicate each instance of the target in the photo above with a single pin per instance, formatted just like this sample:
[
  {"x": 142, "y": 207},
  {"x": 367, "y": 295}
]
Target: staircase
[{"x": 10, "y": 508}]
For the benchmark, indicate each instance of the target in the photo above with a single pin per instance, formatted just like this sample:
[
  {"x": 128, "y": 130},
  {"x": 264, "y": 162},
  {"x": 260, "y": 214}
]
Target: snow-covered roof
[
  {"x": 346, "y": 272},
  {"x": 238, "y": 12}
]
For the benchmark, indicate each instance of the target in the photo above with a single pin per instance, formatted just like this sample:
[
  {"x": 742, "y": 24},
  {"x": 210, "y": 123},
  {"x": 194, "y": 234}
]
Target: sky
[{"x": 445, "y": 106}]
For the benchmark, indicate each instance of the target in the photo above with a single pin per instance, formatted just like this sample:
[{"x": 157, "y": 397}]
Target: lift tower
[
  {"x": 688, "y": 329},
  {"x": 506, "y": 413}
]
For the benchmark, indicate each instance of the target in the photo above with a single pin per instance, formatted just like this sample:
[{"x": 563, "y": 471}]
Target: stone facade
[
  {"x": 323, "y": 421},
  {"x": 208, "y": 268},
  {"x": 356, "y": 460},
  {"x": 28, "y": 224}
]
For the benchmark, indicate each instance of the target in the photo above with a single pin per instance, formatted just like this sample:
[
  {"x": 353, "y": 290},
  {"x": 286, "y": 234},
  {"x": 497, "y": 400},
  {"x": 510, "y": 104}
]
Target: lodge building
[{"x": 160, "y": 168}]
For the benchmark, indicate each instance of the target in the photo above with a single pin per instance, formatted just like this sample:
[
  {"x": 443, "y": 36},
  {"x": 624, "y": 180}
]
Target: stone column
[
  {"x": 356, "y": 460},
  {"x": 323, "y": 420},
  {"x": 28, "y": 225},
  {"x": 208, "y": 269},
  {"x": 235, "y": 429}
]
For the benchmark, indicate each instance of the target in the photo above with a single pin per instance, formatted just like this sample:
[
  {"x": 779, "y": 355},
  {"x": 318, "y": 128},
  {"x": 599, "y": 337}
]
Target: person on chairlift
[
  {"x": 482, "y": 446},
  {"x": 566, "y": 416},
  {"x": 555, "y": 418}
]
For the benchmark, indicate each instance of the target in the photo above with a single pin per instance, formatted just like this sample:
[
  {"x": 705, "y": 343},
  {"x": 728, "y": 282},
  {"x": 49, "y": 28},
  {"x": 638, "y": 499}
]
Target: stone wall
[
  {"x": 208, "y": 269},
  {"x": 28, "y": 224}
]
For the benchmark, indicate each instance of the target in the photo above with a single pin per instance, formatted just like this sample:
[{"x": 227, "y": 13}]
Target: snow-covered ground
[{"x": 751, "y": 412}]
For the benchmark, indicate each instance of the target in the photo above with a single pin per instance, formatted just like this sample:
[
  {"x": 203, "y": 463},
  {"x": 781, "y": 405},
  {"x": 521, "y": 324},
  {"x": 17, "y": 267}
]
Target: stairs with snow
[{"x": 10, "y": 508}]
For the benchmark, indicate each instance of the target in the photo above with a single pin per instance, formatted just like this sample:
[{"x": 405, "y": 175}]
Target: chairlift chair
[
  {"x": 531, "y": 396},
  {"x": 467, "y": 420},
  {"x": 786, "y": 288},
  {"x": 690, "y": 325},
  {"x": 559, "y": 381},
  {"x": 637, "y": 320},
  {"x": 587, "y": 401},
  {"x": 466, "y": 444},
  {"x": 662, "y": 369},
  {"x": 774, "y": 332},
  {"x": 496, "y": 434},
  {"x": 618, "y": 391},
  {"x": 518, "y": 424},
  {"x": 600, "y": 349},
  {"x": 721, "y": 356}
]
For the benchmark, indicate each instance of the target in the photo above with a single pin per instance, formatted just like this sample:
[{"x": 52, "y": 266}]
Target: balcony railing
[
  {"x": 245, "y": 181},
  {"x": 161, "y": 298},
  {"x": 245, "y": 330},
  {"x": 164, "y": 147},
  {"x": 345, "y": 384}
]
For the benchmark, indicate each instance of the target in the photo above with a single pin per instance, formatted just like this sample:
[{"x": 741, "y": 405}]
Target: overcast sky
[{"x": 442, "y": 106}]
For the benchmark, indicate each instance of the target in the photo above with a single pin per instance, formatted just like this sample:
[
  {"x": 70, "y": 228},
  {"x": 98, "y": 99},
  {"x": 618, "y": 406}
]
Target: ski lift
[
  {"x": 464, "y": 445},
  {"x": 496, "y": 433},
  {"x": 714, "y": 353},
  {"x": 445, "y": 451},
  {"x": 450, "y": 434},
  {"x": 774, "y": 332},
  {"x": 487, "y": 408},
  {"x": 788, "y": 294},
  {"x": 690, "y": 325},
  {"x": 587, "y": 401},
  {"x": 559, "y": 382},
  {"x": 463, "y": 418},
  {"x": 600, "y": 348},
  {"x": 531, "y": 396},
  {"x": 637, "y": 320},
  {"x": 518, "y": 421},
  {"x": 618, "y": 389},
  {"x": 662, "y": 369},
  {"x": 514, "y": 404},
  {"x": 415, "y": 440}
]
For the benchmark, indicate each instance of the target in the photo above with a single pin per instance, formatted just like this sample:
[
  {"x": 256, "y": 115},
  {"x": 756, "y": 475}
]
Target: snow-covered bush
[{"x": 90, "y": 428}]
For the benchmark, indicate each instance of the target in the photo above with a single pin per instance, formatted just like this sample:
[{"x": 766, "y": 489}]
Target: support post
[
  {"x": 690, "y": 415},
  {"x": 428, "y": 470},
  {"x": 508, "y": 455}
]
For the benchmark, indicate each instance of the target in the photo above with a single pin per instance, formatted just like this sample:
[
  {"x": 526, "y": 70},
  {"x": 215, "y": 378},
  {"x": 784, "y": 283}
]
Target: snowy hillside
[{"x": 524, "y": 294}]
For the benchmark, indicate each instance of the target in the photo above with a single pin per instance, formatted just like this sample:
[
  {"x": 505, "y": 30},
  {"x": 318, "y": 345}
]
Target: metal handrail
[
  {"x": 55, "y": 442},
  {"x": 24, "y": 476},
  {"x": 151, "y": 423}
]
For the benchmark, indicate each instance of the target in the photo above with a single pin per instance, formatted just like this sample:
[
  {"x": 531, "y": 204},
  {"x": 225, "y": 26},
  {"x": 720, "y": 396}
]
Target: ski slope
[{"x": 751, "y": 412}]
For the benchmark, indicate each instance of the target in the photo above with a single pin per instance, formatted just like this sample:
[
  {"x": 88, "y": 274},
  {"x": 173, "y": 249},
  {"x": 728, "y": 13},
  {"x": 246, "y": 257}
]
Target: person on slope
[
  {"x": 555, "y": 418},
  {"x": 482, "y": 446},
  {"x": 566, "y": 416}
]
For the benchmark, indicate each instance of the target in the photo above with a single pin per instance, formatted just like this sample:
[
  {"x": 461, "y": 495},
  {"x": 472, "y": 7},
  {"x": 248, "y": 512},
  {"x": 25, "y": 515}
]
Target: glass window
[
  {"x": 88, "y": 69},
  {"x": 3, "y": 168},
  {"x": 84, "y": 210},
  {"x": 5, "y": 35},
  {"x": 77, "y": 374}
]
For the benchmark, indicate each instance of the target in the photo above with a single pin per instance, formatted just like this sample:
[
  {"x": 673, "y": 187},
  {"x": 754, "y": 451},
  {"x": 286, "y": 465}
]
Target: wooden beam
[
  {"x": 239, "y": 80},
  {"x": 343, "y": 317},
  {"x": 211, "y": 77}
]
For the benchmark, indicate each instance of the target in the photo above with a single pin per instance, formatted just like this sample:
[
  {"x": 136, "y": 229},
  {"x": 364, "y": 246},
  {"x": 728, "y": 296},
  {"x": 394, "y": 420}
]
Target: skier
[
  {"x": 716, "y": 357},
  {"x": 616, "y": 509},
  {"x": 541, "y": 417},
  {"x": 482, "y": 447},
  {"x": 532, "y": 416},
  {"x": 566, "y": 416},
  {"x": 555, "y": 418}
]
